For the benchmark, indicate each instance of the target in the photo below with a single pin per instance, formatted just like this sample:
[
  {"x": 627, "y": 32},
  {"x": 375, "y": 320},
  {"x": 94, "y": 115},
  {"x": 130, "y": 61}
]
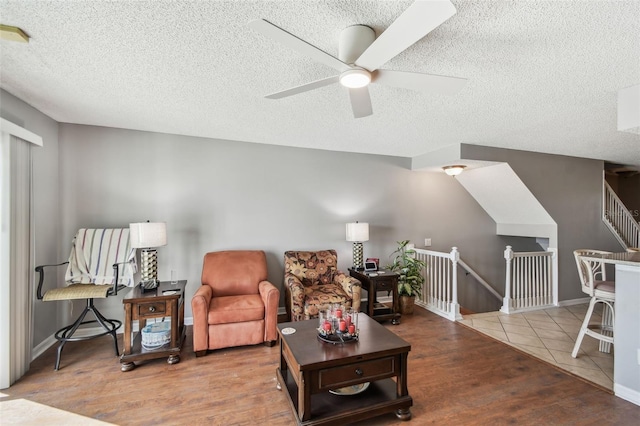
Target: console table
[
  {"x": 165, "y": 301},
  {"x": 379, "y": 281}
]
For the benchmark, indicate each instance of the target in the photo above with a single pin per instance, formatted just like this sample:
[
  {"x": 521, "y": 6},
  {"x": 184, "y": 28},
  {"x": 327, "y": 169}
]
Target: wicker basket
[{"x": 156, "y": 335}]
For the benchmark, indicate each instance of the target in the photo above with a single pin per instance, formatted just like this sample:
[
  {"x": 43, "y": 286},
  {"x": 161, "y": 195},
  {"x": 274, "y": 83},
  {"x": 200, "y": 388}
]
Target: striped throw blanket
[{"x": 93, "y": 254}]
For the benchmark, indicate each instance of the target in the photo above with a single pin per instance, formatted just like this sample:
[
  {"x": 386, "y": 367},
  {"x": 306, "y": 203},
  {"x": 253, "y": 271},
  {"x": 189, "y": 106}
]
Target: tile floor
[{"x": 550, "y": 335}]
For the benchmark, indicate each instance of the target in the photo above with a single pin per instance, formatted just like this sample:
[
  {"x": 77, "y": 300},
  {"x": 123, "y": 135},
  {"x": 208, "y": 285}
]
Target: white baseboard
[
  {"x": 42, "y": 347},
  {"x": 627, "y": 394},
  {"x": 51, "y": 340},
  {"x": 572, "y": 302}
]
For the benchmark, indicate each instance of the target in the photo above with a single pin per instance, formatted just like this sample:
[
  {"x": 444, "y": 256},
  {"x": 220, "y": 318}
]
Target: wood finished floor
[{"x": 456, "y": 376}]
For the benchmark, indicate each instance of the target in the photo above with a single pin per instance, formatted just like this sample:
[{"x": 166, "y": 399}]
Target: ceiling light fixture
[
  {"x": 7, "y": 32},
  {"x": 355, "y": 78},
  {"x": 454, "y": 170}
]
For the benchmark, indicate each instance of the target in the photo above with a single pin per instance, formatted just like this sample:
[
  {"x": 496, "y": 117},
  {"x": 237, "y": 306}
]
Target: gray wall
[
  {"x": 570, "y": 189},
  {"x": 46, "y": 198},
  {"x": 217, "y": 195}
]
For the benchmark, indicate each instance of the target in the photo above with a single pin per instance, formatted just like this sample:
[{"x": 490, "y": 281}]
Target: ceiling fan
[{"x": 360, "y": 55}]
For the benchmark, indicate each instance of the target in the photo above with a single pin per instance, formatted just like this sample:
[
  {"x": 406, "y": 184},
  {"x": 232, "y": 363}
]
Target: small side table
[
  {"x": 142, "y": 306},
  {"x": 377, "y": 281}
]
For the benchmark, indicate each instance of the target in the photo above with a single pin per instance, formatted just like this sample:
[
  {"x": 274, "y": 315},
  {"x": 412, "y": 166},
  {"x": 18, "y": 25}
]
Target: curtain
[{"x": 16, "y": 266}]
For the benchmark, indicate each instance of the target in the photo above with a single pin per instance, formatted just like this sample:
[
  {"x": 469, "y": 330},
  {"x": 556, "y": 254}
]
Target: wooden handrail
[
  {"x": 478, "y": 278},
  {"x": 622, "y": 221}
]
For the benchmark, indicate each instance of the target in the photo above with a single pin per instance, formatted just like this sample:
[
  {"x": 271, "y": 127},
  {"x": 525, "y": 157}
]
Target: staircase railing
[
  {"x": 440, "y": 288},
  {"x": 481, "y": 280},
  {"x": 616, "y": 215},
  {"x": 531, "y": 281}
]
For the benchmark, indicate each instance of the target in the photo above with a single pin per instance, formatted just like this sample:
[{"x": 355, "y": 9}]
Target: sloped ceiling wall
[{"x": 504, "y": 196}]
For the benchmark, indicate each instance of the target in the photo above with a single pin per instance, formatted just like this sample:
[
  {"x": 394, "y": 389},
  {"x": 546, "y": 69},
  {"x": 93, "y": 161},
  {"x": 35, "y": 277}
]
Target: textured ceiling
[{"x": 542, "y": 75}]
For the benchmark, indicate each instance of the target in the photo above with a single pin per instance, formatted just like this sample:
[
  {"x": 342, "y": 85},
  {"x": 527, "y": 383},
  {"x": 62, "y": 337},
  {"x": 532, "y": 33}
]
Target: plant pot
[{"x": 406, "y": 304}]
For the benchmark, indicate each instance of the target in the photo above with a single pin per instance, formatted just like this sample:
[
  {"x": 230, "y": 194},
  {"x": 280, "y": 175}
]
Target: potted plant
[{"x": 411, "y": 279}]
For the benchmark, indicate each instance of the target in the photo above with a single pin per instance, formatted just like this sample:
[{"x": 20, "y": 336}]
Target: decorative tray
[
  {"x": 338, "y": 325},
  {"x": 336, "y": 338}
]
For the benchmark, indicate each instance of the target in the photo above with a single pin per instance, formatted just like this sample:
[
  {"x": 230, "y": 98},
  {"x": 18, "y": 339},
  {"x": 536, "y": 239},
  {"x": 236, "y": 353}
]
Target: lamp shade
[
  {"x": 148, "y": 234},
  {"x": 357, "y": 231}
]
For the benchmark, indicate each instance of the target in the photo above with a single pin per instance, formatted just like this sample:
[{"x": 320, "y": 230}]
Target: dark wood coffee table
[{"x": 310, "y": 368}]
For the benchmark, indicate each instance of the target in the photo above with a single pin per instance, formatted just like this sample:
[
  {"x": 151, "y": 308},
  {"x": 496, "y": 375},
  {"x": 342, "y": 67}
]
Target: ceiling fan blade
[
  {"x": 304, "y": 88},
  {"x": 267, "y": 29},
  {"x": 417, "y": 21},
  {"x": 428, "y": 83},
  {"x": 360, "y": 102}
]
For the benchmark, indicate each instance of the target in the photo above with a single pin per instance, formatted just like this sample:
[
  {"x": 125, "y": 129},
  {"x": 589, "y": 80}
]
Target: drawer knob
[
  {"x": 359, "y": 372},
  {"x": 152, "y": 308}
]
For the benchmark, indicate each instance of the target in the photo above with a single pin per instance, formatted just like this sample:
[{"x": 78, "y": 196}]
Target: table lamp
[
  {"x": 146, "y": 236},
  {"x": 357, "y": 233}
]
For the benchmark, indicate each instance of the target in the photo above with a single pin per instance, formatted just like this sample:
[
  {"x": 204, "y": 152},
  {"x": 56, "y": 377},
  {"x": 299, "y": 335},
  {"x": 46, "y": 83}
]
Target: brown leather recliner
[{"x": 236, "y": 305}]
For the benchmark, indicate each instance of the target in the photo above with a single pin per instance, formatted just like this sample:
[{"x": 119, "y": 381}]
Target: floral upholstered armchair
[{"x": 312, "y": 282}]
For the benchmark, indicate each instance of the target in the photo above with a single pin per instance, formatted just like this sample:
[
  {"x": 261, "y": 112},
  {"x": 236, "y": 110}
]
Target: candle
[
  {"x": 343, "y": 326},
  {"x": 352, "y": 329},
  {"x": 327, "y": 326},
  {"x": 338, "y": 313},
  {"x": 347, "y": 319}
]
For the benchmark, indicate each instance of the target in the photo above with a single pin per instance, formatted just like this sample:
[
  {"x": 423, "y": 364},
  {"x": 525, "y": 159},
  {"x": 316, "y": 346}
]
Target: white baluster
[
  {"x": 455, "y": 307},
  {"x": 506, "y": 304}
]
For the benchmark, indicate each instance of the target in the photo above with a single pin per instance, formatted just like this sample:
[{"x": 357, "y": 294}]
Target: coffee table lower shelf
[{"x": 327, "y": 408}]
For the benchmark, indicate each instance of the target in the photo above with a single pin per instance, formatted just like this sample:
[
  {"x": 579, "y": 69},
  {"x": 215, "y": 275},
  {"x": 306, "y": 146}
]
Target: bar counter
[{"x": 626, "y": 332}]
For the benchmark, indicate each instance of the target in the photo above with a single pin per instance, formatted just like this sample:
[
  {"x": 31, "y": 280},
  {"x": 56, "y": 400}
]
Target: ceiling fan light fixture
[
  {"x": 355, "y": 78},
  {"x": 454, "y": 170}
]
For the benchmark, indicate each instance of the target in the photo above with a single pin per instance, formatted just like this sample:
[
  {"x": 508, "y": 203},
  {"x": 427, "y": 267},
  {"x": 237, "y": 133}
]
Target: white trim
[
  {"x": 42, "y": 347},
  {"x": 527, "y": 309},
  {"x": 17, "y": 234},
  {"x": 572, "y": 302},
  {"x": 17, "y": 252},
  {"x": 555, "y": 280},
  {"x": 20, "y": 132},
  {"x": 626, "y": 393},
  {"x": 5, "y": 260}
]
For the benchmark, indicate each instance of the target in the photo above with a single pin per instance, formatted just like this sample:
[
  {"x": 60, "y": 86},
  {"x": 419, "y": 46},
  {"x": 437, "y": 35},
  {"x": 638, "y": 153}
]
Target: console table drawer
[
  {"x": 151, "y": 309},
  {"x": 358, "y": 372},
  {"x": 386, "y": 285}
]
